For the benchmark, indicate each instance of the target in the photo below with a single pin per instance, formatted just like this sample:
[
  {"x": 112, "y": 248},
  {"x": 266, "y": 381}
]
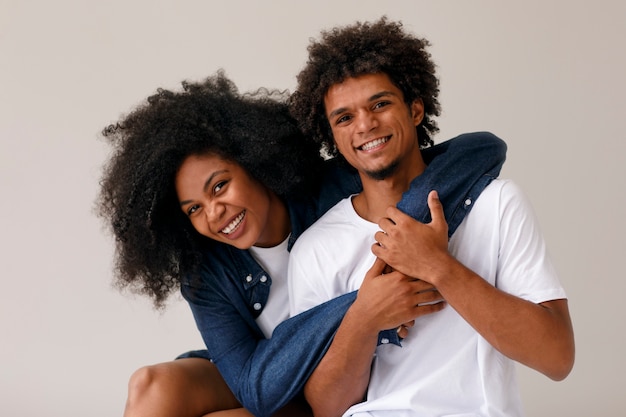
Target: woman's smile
[{"x": 234, "y": 224}]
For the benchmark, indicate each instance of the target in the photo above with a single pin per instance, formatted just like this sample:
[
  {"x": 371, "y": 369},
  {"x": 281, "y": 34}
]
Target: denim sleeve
[
  {"x": 459, "y": 169},
  {"x": 264, "y": 374}
]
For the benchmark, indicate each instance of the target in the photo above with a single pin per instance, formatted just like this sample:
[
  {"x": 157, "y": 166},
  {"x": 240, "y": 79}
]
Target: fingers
[
  {"x": 436, "y": 210},
  {"x": 423, "y": 310},
  {"x": 430, "y": 302},
  {"x": 429, "y": 296},
  {"x": 394, "y": 216},
  {"x": 377, "y": 268},
  {"x": 380, "y": 237},
  {"x": 403, "y": 329},
  {"x": 386, "y": 222},
  {"x": 409, "y": 324}
]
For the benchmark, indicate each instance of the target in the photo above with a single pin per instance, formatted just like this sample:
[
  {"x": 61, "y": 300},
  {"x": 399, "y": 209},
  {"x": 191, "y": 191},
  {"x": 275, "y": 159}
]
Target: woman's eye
[
  {"x": 192, "y": 209},
  {"x": 219, "y": 186}
]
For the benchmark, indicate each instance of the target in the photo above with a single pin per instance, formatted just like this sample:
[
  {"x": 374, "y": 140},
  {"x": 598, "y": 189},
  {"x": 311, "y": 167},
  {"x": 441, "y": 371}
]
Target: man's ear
[{"x": 417, "y": 111}]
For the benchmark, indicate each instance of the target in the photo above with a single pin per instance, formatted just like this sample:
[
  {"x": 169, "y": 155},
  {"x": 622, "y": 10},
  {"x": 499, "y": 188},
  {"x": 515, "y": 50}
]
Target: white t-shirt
[
  {"x": 274, "y": 261},
  {"x": 444, "y": 368}
]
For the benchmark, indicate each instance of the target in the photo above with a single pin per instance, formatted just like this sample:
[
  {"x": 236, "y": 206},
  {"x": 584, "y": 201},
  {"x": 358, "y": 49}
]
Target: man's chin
[{"x": 383, "y": 173}]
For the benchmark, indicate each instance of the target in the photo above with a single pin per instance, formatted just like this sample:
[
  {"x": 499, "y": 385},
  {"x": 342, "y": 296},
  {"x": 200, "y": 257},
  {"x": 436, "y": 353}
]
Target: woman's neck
[{"x": 278, "y": 225}]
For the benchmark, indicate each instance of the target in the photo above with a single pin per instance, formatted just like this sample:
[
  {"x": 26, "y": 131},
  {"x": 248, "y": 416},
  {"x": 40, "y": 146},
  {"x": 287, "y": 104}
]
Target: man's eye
[
  {"x": 380, "y": 104},
  {"x": 342, "y": 119}
]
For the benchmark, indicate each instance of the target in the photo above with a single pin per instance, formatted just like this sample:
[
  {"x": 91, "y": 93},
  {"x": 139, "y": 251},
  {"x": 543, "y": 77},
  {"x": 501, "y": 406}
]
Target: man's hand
[
  {"x": 394, "y": 299},
  {"x": 537, "y": 335},
  {"x": 413, "y": 248}
]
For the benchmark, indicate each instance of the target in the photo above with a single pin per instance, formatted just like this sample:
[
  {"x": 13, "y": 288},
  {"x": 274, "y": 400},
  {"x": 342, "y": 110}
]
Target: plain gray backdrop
[{"x": 546, "y": 76}]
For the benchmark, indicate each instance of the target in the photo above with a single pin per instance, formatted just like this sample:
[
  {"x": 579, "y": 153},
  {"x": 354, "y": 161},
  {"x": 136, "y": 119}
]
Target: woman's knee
[
  {"x": 193, "y": 385},
  {"x": 148, "y": 381}
]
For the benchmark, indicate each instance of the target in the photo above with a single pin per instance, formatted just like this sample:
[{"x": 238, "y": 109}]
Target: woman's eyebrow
[{"x": 206, "y": 184}]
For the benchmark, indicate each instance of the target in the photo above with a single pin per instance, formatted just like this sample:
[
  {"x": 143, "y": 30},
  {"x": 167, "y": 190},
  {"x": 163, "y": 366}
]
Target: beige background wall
[{"x": 546, "y": 76}]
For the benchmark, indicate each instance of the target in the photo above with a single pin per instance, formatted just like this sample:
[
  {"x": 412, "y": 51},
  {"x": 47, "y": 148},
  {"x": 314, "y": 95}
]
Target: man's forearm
[
  {"x": 537, "y": 335},
  {"x": 342, "y": 377}
]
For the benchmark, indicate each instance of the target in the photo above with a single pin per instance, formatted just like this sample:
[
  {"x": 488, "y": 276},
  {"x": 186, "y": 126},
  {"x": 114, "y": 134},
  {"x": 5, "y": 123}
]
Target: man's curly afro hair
[
  {"x": 360, "y": 49},
  {"x": 155, "y": 241}
]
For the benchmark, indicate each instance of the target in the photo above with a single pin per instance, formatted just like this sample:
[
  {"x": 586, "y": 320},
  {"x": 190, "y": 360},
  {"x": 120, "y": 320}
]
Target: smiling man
[{"x": 369, "y": 93}]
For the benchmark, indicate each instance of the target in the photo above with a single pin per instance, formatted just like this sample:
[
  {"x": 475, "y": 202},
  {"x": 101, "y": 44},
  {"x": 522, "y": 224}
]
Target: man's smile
[{"x": 374, "y": 143}]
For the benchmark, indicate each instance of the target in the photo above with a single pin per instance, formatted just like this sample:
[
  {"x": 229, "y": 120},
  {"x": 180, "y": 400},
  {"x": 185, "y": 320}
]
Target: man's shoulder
[
  {"x": 502, "y": 200},
  {"x": 500, "y": 191}
]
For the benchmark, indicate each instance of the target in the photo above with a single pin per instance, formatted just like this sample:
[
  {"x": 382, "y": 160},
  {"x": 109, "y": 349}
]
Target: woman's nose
[{"x": 214, "y": 211}]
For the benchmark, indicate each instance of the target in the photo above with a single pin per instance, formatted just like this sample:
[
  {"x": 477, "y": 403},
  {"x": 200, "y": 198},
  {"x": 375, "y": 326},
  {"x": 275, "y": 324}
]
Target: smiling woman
[{"x": 174, "y": 192}]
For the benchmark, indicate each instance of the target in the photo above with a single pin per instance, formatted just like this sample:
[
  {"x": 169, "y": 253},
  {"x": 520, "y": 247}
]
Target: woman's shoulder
[{"x": 339, "y": 181}]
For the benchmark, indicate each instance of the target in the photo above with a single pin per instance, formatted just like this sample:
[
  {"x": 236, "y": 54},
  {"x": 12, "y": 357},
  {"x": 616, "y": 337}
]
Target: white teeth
[
  {"x": 234, "y": 224},
  {"x": 374, "y": 143}
]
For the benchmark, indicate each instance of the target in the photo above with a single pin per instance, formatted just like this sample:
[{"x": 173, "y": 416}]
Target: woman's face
[{"x": 224, "y": 203}]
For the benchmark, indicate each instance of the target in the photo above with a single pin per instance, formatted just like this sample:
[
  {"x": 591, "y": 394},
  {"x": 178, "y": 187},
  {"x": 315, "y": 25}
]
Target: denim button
[
  {"x": 249, "y": 278},
  {"x": 384, "y": 340},
  {"x": 468, "y": 202},
  {"x": 257, "y": 306},
  {"x": 263, "y": 278}
]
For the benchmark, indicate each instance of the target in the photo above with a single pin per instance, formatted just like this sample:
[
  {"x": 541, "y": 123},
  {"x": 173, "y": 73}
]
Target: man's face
[{"x": 372, "y": 126}]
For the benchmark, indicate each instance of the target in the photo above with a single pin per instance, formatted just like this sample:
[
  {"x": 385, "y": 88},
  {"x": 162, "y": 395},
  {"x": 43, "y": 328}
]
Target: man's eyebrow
[
  {"x": 381, "y": 94},
  {"x": 374, "y": 97},
  {"x": 206, "y": 184}
]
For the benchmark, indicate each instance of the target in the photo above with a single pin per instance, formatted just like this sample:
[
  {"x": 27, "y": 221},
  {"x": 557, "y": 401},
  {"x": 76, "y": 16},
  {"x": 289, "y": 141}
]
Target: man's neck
[{"x": 378, "y": 195}]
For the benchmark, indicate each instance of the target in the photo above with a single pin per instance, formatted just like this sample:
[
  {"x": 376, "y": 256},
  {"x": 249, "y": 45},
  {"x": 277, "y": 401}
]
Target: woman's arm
[{"x": 264, "y": 374}]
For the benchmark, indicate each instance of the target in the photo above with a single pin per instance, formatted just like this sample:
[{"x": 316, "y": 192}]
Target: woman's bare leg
[{"x": 190, "y": 387}]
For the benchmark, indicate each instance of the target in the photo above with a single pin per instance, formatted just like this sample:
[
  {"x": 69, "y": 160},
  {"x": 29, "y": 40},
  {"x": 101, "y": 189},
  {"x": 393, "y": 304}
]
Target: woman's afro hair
[{"x": 155, "y": 242}]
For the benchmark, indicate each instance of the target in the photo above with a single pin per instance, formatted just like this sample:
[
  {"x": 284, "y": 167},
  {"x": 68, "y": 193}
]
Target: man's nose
[{"x": 366, "y": 122}]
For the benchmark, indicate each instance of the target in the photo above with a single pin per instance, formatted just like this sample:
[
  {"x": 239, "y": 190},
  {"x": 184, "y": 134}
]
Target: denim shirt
[{"x": 231, "y": 288}]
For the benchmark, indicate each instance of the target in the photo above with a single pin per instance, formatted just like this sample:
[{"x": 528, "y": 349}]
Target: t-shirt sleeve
[{"x": 524, "y": 266}]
